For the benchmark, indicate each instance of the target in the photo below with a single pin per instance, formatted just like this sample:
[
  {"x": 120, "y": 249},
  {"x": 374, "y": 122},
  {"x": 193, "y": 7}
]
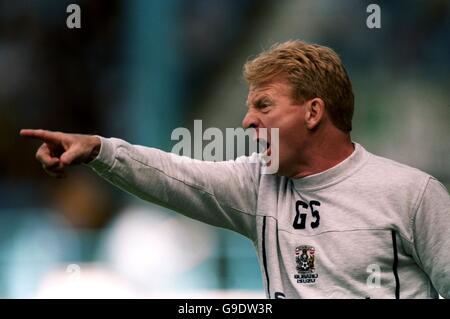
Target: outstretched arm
[{"x": 223, "y": 194}]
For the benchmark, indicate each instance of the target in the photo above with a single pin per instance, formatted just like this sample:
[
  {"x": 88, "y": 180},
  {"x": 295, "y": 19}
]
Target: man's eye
[{"x": 265, "y": 107}]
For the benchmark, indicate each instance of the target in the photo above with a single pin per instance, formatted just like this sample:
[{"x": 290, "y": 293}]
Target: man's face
[{"x": 271, "y": 105}]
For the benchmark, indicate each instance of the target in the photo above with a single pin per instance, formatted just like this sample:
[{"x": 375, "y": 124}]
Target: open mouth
[{"x": 263, "y": 146}]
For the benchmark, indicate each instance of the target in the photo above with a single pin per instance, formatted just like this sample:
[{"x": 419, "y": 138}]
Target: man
[{"x": 335, "y": 222}]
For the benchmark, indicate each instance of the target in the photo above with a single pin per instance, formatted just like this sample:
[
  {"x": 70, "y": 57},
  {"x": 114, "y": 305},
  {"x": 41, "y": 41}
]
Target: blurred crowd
[{"x": 56, "y": 231}]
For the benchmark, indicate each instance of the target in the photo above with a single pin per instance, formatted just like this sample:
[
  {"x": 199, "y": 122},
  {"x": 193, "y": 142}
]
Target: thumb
[{"x": 70, "y": 156}]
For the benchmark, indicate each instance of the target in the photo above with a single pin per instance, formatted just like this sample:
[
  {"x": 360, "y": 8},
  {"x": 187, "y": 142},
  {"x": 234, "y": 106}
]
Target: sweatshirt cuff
[{"x": 106, "y": 156}]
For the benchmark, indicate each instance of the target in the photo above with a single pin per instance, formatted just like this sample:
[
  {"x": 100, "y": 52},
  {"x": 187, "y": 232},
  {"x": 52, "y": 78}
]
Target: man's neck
[{"x": 323, "y": 155}]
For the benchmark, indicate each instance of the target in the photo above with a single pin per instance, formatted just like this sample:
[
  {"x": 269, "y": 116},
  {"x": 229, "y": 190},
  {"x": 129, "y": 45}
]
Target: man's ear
[{"x": 314, "y": 113}]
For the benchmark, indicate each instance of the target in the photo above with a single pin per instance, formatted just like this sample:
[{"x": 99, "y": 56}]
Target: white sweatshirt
[{"x": 367, "y": 228}]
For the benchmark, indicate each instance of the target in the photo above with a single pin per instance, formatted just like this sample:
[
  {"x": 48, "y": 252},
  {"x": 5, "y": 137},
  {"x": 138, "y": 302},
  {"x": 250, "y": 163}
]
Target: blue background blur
[{"x": 139, "y": 69}]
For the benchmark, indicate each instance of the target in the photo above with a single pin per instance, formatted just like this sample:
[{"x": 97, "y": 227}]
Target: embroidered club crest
[{"x": 305, "y": 257}]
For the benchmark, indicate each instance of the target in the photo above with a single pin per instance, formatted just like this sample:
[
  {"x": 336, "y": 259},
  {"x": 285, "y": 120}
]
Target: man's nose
[{"x": 250, "y": 120}]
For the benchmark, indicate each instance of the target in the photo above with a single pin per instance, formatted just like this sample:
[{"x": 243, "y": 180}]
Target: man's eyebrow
[{"x": 258, "y": 100}]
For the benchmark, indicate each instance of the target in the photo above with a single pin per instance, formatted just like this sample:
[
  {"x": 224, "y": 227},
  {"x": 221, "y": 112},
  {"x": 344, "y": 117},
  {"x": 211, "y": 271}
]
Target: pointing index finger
[{"x": 46, "y": 136}]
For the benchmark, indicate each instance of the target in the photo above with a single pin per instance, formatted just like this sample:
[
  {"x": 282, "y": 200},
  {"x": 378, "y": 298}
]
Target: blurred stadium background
[{"x": 138, "y": 69}]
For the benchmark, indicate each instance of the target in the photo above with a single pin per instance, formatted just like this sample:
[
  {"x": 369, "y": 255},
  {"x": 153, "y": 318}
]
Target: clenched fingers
[
  {"x": 51, "y": 164},
  {"x": 45, "y": 157}
]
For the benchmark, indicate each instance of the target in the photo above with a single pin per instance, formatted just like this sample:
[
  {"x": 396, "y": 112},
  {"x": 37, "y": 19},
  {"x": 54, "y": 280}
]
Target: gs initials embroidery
[{"x": 300, "y": 217}]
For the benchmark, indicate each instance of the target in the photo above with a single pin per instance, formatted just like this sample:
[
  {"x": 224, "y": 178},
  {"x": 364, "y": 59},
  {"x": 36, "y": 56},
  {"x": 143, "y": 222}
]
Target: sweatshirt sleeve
[
  {"x": 431, "y": 227},
  {"x": 222, "y": 194}
]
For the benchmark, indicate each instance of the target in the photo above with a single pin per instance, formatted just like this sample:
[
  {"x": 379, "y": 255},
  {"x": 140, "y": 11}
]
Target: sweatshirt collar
[{"x": 336, "y": 173}]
